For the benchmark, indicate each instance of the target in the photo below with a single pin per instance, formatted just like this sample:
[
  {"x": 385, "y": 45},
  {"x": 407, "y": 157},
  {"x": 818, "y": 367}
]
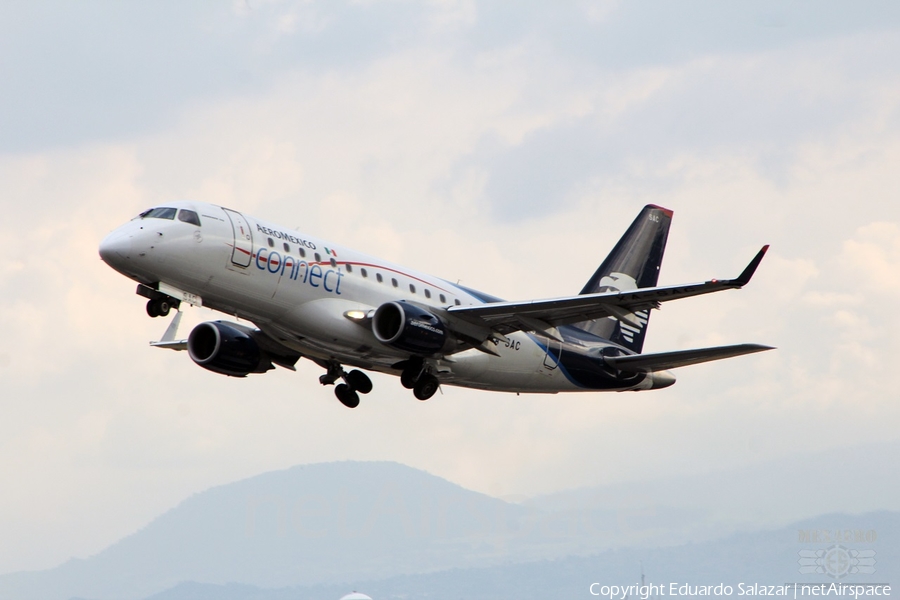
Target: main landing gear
[
  {"x": 354, "y": 381},
  {"x": 416, "y": 377}
]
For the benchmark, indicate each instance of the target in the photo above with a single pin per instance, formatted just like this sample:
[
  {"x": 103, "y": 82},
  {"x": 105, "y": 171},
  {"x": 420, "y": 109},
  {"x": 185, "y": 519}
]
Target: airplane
[{"x": 309, "y": 298}]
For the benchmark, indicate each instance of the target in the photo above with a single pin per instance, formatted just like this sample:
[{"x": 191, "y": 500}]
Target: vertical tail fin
[{"x": 633, "y": 263}]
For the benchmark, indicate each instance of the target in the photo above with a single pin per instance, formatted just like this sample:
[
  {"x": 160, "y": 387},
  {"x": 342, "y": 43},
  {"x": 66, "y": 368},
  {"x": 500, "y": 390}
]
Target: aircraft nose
[{"x": 115, "y": 248}]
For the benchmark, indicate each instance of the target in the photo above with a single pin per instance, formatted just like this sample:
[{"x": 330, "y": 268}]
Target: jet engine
[
  {"x": 227, "y": 348},
  {"x": 408, "y": 327}
]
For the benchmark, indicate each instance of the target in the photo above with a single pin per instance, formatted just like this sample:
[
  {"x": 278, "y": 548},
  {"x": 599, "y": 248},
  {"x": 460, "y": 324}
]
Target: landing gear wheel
[
  {"x": 359, "y": 381},
  {"x": 158, "y": 307},
  {"x": 408, "y": 379},
  {"x": 346, "y": 395},
  {"x": 163, "y": 306},
  {"x": 426, "y": 386}
]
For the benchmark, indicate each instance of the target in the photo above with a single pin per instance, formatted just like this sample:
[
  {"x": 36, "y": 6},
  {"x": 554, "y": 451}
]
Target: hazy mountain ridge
[
  {"x": 329, "y": 524},
  {"x": 768, "y": 494},
  {"x": 302, "y": 525},
  {"x": 768, "y": 557}
]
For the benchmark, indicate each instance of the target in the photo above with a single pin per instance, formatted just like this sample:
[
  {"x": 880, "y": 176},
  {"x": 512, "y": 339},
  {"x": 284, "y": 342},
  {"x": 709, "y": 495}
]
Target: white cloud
[
  {"x": 599, "y": 11},
  {"x": 874, "y": 256}
]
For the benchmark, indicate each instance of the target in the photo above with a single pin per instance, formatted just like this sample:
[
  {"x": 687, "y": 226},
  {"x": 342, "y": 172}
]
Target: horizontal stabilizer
[
  {"x": 681, "y": 358},
  {"x": 168, "y": 340},
  {"x": 173, "y": 345}
]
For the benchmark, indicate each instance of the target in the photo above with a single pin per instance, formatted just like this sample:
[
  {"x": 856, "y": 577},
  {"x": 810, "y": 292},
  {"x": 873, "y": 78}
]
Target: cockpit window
[
  {"x": 159, "y": 213},
  {"x": 189, "y": 216}
]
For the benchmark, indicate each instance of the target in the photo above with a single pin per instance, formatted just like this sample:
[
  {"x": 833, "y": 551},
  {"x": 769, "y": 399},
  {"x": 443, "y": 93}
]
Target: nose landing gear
[
  {"x": 159, "y": 307},
  {"x": 354, "y": 381},
  {"x": 158, "y": 303}
]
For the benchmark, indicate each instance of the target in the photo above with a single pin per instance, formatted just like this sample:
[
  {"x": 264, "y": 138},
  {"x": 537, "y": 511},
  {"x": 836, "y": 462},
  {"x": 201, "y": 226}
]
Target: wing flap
[{"x": 680, "y": 358}]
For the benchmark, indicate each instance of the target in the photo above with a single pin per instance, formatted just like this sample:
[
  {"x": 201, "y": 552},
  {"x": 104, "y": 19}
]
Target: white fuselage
[{"x": 298, "y": 288}]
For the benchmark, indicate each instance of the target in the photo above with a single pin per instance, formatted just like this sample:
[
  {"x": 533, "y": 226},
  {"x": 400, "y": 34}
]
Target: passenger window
[
  {"x": 333, "y": 263},
  {"x": 349, "y": 268},
  {"x": 379, "y": 277},
  {"x": 412, "y": 288},
  {"x": 363, "y": 272},
  {"x": 287, "y": 247},
  {"x": 271, "y": 243},
  {"x": 443, "y": 299},
  {"x": 427, "y": 293},
  {"x": 394, "y": 282},
  {"x": 302, "y": 252},
  {"x": 189, "y": 216},
  {"x": 457, "y": 301},
  {"x": 318, "y": 258},
  {"x": 159, "y": 213}
]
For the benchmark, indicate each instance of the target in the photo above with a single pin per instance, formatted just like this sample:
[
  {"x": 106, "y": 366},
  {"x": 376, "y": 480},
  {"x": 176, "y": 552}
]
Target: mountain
[
  {"x": 304, "y": 525},
  {"x": 322, "y": 526},
  {"x": 765, "y": 558},
  {"x": 766, "y": 495}
]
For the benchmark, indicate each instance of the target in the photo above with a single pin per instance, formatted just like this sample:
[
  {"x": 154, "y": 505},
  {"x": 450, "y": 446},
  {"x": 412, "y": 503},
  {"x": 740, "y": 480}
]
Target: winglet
[{"x": 744, "y": 278}]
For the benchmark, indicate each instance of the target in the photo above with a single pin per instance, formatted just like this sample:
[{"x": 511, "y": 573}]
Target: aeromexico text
[
  {"x": 652, "y": 590},
  {"x": 281, "y": 235},
  {"x": 274, "y": 263}
]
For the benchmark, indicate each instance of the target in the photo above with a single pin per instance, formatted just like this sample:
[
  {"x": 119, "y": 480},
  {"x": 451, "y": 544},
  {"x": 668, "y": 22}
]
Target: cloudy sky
[{"x": 507, "y": 145}]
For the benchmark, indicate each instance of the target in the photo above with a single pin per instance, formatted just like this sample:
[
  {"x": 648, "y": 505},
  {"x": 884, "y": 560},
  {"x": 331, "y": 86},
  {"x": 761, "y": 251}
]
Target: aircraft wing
[
  {"x": 680, "y": 358},
  {"x": 540, "y": 315}
]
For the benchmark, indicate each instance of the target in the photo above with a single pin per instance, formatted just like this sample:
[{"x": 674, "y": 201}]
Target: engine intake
[
  {"x": 226, "y": 348},
  {"x": 408, "y": 327}
]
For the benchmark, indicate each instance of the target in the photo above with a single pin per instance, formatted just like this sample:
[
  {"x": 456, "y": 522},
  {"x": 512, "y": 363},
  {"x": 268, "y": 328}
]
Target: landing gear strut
[{"x": 354, "y": 381}]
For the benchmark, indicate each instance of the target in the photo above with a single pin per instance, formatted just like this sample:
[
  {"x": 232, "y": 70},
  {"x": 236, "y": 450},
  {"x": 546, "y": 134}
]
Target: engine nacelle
[
  {"x": 408, "y": 327},
  {"x": 226, "y": 348}
]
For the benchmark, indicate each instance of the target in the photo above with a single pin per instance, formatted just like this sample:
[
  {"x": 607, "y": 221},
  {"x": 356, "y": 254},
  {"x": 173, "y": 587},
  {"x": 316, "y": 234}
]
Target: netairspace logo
[
  {"x": 795, "y": 590},
  {"x": 837, "y": 561}
]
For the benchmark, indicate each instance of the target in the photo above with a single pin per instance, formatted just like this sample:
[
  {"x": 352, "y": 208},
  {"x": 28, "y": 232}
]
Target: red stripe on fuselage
[{"x": 355, "y": 264}]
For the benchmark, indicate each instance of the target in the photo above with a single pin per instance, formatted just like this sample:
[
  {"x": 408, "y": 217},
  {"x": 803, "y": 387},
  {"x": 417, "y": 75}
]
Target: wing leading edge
[{"x": 539, "y": 315}]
